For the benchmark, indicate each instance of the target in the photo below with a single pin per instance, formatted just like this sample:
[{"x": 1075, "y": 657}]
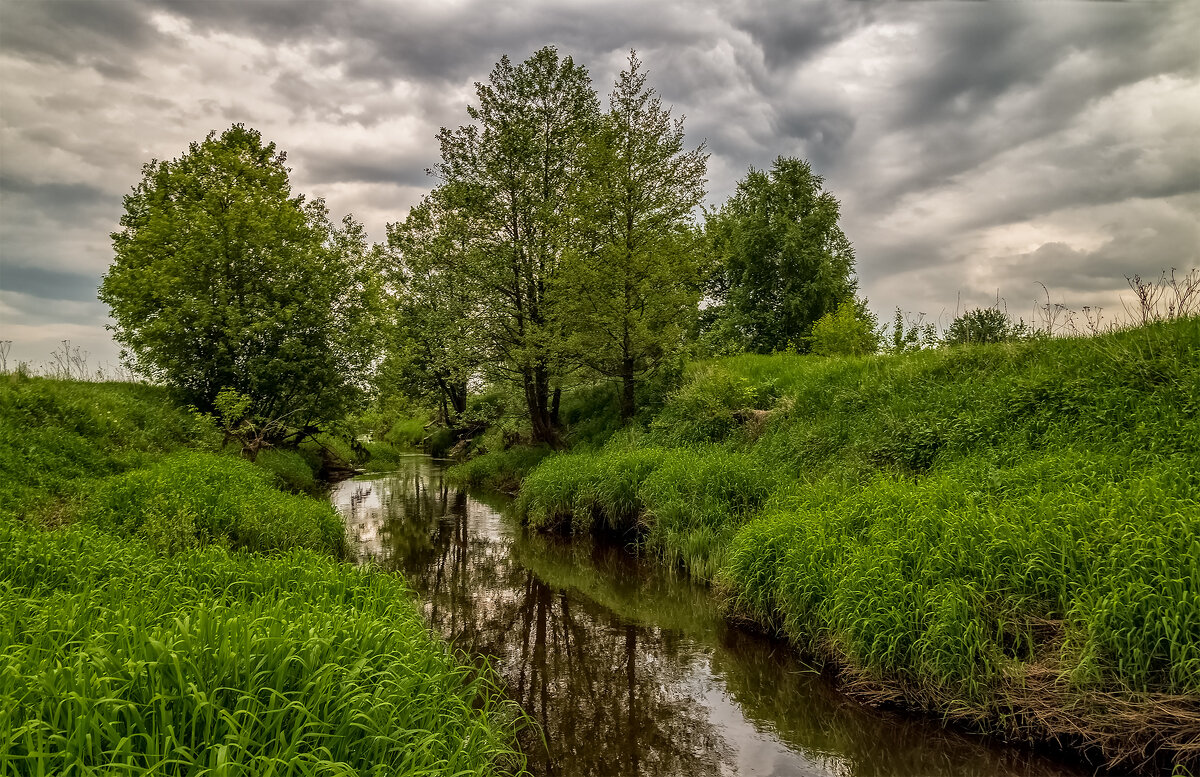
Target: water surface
[{"x": 628, "y": 669}]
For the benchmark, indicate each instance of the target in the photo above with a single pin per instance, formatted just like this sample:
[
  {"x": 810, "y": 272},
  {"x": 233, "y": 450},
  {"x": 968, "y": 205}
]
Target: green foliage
[
  {"x": 682, "y": 502},
  {"x": 985, "y": 325},
  {"x": 383, "y": 456},
  {"x": 57, "y": 434},
  {"x": 291, "y": 471},
  {"x": 498, "y": 470},
  {"x": 707, "y": 407},
  {"x": 510, "y": 176},
  {"x": 196, "y": 498},
  {"x": 848, "y": 331},
  {"x": 149, "y": 648},
  {"x": 407, "y": 432},
  {"x": 222, "y": 279},
  {"x": 434, "y": 347},
  {"x": 114, "y": 659},
  {"x": 782, "y": 259},
  {"x": 956, "y": 579},
  {"x": 327, "y": 452},
  {"x": 631, "y": 287},
  {"x": 908, "y": 335}
]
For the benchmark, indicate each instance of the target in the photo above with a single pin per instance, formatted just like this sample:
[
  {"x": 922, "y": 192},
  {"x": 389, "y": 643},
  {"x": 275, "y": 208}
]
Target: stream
[{"x": 629, "y": 669}]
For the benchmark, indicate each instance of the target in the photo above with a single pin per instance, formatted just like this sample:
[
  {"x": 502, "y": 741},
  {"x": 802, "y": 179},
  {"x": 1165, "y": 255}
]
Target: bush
[
  {"x": 985, "y": 325},
  {"x": 705, "y": 408},
  {"x": 848, "y": 331},
  {"x": 194, "y": 498}
]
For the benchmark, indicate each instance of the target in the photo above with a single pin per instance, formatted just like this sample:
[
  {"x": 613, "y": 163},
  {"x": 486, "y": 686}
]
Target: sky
[{"x": 981, "y": 151}]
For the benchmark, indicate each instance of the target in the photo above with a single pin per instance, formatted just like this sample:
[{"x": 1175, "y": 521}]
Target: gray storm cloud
[{"x": 978, "y": 149}]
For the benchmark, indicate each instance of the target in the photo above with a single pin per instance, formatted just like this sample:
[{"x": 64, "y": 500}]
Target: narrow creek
[{"x": 628, "y": 669}]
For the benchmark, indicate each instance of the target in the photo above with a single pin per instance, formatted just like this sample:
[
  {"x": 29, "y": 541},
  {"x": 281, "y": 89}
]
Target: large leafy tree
[
  {"x": 224, "y": 280},
  {"x": 433, "y": 327},
  {"x": 512, "y": 173},
  {"x": 632, "y": 284},
  {"x": 782, "y": 260}
]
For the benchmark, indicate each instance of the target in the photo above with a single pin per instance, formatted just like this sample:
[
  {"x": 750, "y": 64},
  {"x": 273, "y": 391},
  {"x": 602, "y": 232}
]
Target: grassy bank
[
  {"x": 1004, "y": 534},
  {"x": 166, "y": 609}
]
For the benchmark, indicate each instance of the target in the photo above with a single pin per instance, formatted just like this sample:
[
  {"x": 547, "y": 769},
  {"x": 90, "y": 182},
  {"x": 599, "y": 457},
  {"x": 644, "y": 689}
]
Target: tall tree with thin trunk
[
  {"x": 633, "y": 286},
  {"x": 512, "y": 173}
]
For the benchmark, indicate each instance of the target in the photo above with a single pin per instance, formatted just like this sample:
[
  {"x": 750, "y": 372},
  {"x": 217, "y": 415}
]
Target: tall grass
[
  {"x": 963, "y": 522},
  {"x": 194, "y": 498},
  {"x": 117, "y": 660},
  {"x": 55, "y": 434},
  {"x": 142, "y": 636},
  {"x": 500, "y": 470}
]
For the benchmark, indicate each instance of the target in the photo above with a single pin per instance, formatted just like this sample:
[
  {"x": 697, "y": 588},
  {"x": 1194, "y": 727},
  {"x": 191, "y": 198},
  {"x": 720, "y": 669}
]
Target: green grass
[
  {"x": 184, "y": 616},
  {"x": 56, "y": 435},
  {"x": 952, "y": 520},
  {"x": 291, "y": 471},
  {"x": 118, "y": 660},
  {"x": 501, "y": 470},
  {"x": 192, "y": 498}
]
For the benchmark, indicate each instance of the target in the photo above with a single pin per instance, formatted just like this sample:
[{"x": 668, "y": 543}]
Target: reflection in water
[{"x": 629, "y": 670}]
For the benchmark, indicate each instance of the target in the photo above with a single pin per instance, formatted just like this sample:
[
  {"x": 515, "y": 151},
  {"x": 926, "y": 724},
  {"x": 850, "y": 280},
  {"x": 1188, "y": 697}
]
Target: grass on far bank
[{"x": 964, "y": 524}]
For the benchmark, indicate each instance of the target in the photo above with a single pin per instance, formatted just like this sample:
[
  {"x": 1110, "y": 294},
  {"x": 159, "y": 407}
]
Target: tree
[
  {"x": 223, "y": 280},
  {"x": 851, "y": 330},
  {"x": 432, "y": 354},
  {"x": 632, "y": 285},
  {"x": 782, "y": 260},
  {"x": 511, "y": 174},
  {"x": 984, "y": 325}
]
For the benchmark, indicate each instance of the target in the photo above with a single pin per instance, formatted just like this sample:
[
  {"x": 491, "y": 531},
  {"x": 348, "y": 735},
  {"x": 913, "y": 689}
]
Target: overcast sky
[{"x": 977, "y": 148}]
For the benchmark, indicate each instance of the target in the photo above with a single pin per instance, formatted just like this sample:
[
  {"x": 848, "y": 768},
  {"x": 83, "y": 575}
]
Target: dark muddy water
[{"x": 631, "y": 670}]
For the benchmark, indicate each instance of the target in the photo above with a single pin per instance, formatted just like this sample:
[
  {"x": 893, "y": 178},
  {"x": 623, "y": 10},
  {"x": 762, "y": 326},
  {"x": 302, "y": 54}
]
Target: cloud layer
[{"x": 978, "y": 149}]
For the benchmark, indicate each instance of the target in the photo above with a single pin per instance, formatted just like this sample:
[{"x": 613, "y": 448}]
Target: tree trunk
[
  {"x": 628, "y": 400},
  {"x": 537, "y": 399}
]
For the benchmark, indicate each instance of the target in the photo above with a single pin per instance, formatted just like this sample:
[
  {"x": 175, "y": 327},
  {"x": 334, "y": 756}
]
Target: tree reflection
[{"x": 611, "y": 697}]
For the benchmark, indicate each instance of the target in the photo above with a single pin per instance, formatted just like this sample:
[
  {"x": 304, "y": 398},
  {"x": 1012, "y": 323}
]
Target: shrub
[
  {"x": 194, "y": 498},
  {"x": 848, "y": 331},
  {"x": 705, "y": 409}
]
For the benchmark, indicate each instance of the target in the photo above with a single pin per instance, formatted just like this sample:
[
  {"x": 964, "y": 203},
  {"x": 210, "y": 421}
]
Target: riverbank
[
  {"x": 627, "y": 667},
  {"x": 166, "y": 607},
  {"x": 1003, "y": 535}
]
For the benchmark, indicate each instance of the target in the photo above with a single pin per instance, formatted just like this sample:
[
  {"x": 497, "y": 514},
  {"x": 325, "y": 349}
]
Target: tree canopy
[
  {"x": 224, "y": 280},
  {"x": 512, "y": 175},
  {"x": 632, "y": 284},
  {"x": 781, "y": 258},
  {"x": 434, "y": 319}
]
